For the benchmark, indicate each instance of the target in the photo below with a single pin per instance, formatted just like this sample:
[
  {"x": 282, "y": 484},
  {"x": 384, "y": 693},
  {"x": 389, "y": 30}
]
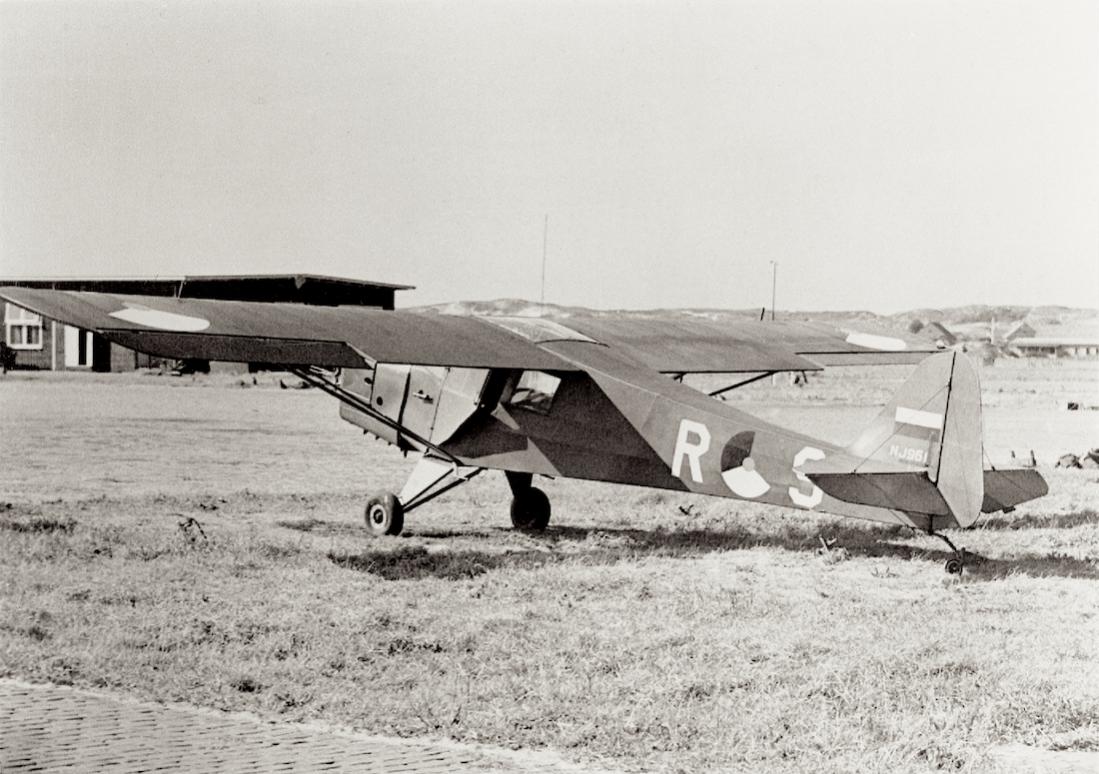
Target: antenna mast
[
  {"x": 545, "y": 240},
  {"x": 774, "y": 282}
]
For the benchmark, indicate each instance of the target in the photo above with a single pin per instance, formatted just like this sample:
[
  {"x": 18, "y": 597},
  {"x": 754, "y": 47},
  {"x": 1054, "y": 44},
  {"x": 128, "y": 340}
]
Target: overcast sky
[{"x": 887, "y": 155}]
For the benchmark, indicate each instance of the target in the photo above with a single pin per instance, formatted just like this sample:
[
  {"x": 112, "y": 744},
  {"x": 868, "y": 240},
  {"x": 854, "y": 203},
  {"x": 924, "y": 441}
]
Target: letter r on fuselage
[{"x": 692, "y": 442}]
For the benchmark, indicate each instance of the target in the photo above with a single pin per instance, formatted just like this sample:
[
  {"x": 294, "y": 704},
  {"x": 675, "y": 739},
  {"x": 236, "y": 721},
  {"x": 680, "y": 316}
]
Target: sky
[{"x": 886, "y": 154}]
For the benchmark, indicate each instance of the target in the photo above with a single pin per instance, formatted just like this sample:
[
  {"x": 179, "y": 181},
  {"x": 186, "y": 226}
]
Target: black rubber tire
[
  {"x": 953, "y": 566},
  {"x": 384, "y": 515},
  {"x": 530, "y": 511}
]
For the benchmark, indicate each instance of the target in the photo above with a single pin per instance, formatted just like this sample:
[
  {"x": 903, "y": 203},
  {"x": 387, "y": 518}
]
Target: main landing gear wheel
[
  {"x": 384, "y": 515},
  {"x": 530, "y": 510}
]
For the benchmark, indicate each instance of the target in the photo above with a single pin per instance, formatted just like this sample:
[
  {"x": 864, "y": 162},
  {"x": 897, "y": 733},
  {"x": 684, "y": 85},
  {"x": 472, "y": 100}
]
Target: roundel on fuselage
[{"x": 738, "y": 469}]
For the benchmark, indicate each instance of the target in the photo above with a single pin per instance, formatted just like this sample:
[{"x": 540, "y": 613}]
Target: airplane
[{"x": 599, "y": 398}]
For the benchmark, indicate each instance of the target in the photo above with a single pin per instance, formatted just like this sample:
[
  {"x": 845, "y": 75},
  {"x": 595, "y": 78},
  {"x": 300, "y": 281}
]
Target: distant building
[
  {"x": 1019, "y": 330},
  {"x": 1078, "y": 339},
  {"x": 1057, "y": 346},
  {"x": 39, "y": 343},
  {"x": 44, "y": 344}
]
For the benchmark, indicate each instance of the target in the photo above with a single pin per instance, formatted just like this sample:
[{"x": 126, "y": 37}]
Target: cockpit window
[
  {"x": 538, "y": 329},
  {"x": 534, "y": 391}
]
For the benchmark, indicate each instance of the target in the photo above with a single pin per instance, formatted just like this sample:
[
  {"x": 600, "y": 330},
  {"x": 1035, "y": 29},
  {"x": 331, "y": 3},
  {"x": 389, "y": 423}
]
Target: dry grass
[{"x": 645, "y": 630}]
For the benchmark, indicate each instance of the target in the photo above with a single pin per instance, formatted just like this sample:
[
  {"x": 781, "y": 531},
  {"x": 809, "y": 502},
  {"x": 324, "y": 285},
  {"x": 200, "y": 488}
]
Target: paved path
[
  {"x": 1022, "y": 759},
  {"x": 49, "y": 728}
]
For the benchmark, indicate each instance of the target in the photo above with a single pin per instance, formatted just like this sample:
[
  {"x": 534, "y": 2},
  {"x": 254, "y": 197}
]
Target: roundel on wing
[
  {"x": 738, "y": 469},
  {"x": 165, "y": 321}
]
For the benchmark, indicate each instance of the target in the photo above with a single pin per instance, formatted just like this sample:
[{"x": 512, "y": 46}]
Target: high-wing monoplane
[{"x": 598, "y": 398}]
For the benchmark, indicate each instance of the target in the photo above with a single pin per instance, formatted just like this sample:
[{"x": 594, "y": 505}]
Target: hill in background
[{"x": 974, "y": 321}]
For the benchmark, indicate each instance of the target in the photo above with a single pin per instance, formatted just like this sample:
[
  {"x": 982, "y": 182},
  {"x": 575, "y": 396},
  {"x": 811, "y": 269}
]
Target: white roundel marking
[
  {"x": 871, "y": 341},
  {"x": 745, "y": 481},
  {"x": 165, "y": 321}
]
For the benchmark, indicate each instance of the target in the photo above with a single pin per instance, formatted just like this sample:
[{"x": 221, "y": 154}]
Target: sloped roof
[{"x": 288, "y": 288}]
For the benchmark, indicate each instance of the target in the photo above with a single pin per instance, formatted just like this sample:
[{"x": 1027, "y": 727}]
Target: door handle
[{"x": 421, "y": 395}]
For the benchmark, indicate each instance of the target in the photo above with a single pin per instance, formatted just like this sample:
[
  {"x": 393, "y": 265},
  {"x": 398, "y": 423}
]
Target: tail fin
[{"x": 927, "y": 439}]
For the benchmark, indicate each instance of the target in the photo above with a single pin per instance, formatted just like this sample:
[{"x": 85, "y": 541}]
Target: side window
[
  {"x": 534, "y": 391},
  {"x": 22, "y": 329}
]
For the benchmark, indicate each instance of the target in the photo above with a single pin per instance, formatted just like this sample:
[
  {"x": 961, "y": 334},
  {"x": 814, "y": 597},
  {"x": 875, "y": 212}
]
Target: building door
[
  {"x": 78, "y": 348},
  {"x": 101, "y": 353}
]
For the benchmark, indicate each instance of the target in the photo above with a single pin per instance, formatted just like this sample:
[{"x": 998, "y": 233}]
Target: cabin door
[{"x": 425, "y": 385}]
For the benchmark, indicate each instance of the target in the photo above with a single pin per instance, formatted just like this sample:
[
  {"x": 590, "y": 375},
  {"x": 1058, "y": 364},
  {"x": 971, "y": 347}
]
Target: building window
[{"x": 22, "y": 329}]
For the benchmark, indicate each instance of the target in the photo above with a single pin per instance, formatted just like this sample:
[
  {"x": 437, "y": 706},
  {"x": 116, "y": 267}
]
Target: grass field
[{"x": 197, "y": 541}]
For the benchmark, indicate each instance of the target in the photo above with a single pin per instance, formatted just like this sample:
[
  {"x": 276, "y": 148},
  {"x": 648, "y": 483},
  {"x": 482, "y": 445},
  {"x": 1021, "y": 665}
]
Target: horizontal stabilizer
[
  {"x": 914, "y": 492},
  {"x": 1006, "y": 488},
  {"x": 909, "y": 491}
]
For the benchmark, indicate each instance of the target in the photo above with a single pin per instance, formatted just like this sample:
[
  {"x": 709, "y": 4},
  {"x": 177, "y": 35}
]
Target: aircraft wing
[
  {"x": 351, "y": 336},
  {"x": 700, "y": 345},
  {"x": 284, "y": 333}
]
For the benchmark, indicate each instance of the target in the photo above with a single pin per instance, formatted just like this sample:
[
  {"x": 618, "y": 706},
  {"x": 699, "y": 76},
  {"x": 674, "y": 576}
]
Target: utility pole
[{"x": 774, "y": 283}]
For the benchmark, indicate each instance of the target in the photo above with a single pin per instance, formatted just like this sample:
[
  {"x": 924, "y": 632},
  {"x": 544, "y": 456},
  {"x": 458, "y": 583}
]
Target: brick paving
[{"x": 50, "y": 728}]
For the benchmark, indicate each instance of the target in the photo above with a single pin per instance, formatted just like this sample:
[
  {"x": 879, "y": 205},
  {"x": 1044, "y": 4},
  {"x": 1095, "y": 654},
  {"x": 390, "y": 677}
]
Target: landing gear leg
[
  {"x": 956, "y": 563},
  {"x": 530, "y": 508},
  {"x": 430, "y": 478}
]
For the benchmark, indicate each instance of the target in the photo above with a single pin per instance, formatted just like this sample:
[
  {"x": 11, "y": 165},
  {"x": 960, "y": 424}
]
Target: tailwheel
[
  {"x": 384, "y": 515},
  {"x": 530, "y": 510},
  {"x": 955, "y": 564}
]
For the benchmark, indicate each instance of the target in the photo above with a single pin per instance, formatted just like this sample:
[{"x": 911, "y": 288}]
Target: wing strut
[
  {"x": 749, "y": 380},
  {"x": 316, "y": 377}
]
